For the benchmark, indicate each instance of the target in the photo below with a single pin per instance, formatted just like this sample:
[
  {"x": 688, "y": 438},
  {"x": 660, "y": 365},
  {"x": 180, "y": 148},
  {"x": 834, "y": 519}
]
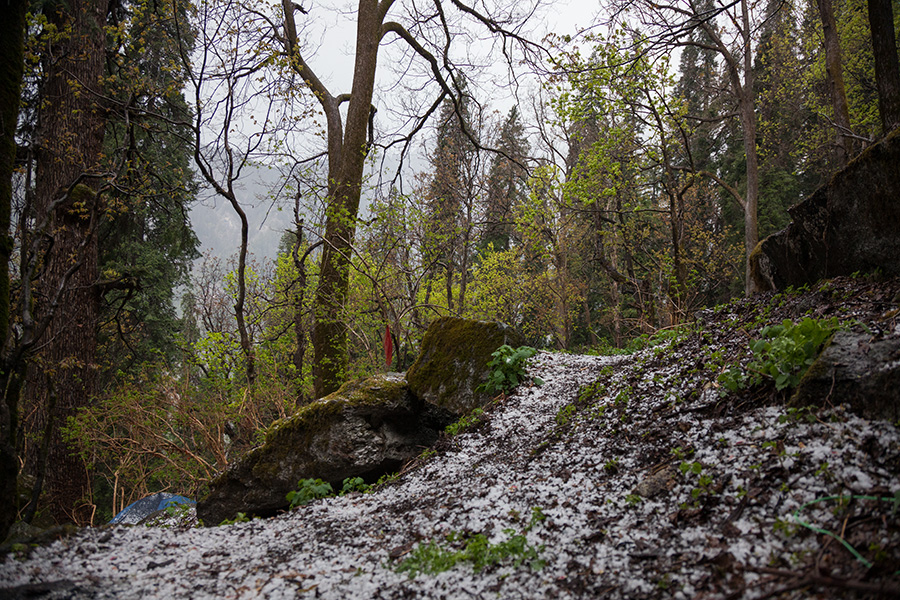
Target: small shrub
[
  {"x": 432, "y": 558},
  {"x": 466, "y": 422},
  {"x": 787, "y": 350},
  {"x": 354, "y": 484},
  {"x": 309, "y": 490},
  {"x": 564, "y": 414},
  {"x": 508, "y": 369}
]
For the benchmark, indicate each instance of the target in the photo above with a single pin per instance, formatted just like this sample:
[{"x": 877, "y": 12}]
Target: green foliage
[
  {"x": 354, "y": 484},
  {"x": 466, "y": 422},
  {"x": 565, "y": 413},
  {"x": 432, "y": 558},
  {"x": 238, "y": 518},
  {"x": 309, "y": 490},
  {"x": 508, "y": 369},
  {"x": 787, "y": 350}
]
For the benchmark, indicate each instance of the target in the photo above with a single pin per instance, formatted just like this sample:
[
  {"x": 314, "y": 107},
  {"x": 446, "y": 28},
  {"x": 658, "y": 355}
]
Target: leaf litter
[{"x": 653, "y": 483}]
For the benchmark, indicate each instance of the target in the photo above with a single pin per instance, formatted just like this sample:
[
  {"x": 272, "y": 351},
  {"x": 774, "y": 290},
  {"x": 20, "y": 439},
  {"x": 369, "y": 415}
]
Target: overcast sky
[{"x": 333, "y": 31}]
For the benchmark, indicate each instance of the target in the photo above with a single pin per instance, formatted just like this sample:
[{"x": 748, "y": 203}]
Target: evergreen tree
[
  {"x": 146, "y": 240},
  {"x": 506, "y": 183},
  {"x": 450, "y": 199}
]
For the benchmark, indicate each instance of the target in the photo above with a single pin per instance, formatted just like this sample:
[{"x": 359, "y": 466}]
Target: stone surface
[
  {"x": 365, "y": 429},
  {"x": 855, "y": 370},
  {"x": 453, "y": 360},
  {"x": 852, "y": 224}
]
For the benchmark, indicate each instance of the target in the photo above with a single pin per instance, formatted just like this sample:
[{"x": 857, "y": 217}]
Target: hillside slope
[{"x": 620, "y": 477}]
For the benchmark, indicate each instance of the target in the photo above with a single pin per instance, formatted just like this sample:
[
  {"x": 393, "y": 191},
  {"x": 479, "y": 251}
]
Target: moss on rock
[
  {"x": 453, "y": 362},
  {"x": 365, "y": 429}
]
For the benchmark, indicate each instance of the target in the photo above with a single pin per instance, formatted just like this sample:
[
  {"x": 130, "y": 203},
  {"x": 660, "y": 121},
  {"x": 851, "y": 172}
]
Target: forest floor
[{"x": 631, "y": 476}]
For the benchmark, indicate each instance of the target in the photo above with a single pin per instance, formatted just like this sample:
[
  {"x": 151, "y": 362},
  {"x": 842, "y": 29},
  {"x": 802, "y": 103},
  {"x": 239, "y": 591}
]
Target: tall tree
[
  {"x": 349, "y": 138},
  {"x": 835, "y": 74},
  {"x": 450, "y": 199},
  {"x": 70, "y": 137},
  {"x": 12, "y": 48},
  {"x": 506, "y": 182},
  {"x": 146, "y": 240},
  {"x": 730, "y": 30},
  {"x": 887, "y": 67}
]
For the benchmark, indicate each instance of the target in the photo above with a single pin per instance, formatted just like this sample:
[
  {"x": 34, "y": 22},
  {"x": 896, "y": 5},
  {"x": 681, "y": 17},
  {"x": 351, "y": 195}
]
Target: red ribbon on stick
[{"x": 388, "y": 346}]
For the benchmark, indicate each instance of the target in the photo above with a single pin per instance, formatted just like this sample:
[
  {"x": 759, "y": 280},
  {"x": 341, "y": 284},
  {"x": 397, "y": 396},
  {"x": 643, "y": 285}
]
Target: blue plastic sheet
[{"x": 137, "y": 511}]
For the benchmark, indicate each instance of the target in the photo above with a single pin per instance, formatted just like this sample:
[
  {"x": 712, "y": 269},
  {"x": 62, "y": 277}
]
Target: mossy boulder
[
  {"x": 365, "y": 429},
  {"x": 453, "y": 360},
  {"x": 856, "y": 370},
  {"x": 848, "y": 225}
]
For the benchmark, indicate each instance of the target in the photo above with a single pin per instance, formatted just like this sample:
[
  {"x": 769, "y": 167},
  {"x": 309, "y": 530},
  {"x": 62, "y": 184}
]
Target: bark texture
[
  {"x": 70, "y": 139},
  {"x": 12, "y": 37},
  {"x": 887, "y": 67},
  {"x": 835, "y": 81}
]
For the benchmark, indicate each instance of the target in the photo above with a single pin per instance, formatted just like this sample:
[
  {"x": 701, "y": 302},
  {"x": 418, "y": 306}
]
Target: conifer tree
[{"x": 506, "y": 183}]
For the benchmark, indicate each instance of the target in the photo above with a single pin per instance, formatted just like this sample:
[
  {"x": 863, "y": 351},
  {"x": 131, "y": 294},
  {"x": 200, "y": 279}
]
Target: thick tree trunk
[
  {"x": 836, "y": 81},
  {"x": 887, "y": 67},
  {"x": 12, "y": 36},
  {"x": 70, "y": 139},
  {"x": 329, "y": 336}
]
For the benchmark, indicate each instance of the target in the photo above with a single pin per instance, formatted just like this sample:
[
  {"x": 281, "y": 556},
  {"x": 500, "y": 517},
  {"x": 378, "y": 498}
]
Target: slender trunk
[
  {"x": 70, "y": 139},
  {"x": 12, "y": 37},
  {"x": 836, "y": 81},
  {"x": 747, "y": 102},
  {"x": 887, "y": 67}
]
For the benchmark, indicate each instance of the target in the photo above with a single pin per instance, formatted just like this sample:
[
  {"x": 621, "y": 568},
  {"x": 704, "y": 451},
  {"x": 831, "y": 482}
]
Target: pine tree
[
  {"x": 506, "y": 183},
  {"x": 450, "y": 199}
]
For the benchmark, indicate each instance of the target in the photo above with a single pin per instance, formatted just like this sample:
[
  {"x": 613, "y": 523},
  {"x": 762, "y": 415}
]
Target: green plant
[
  {"x": 386, "y": 478},
  {"x": 564, "y": 414},
  {"x": 796, "y": 415},
  {"x": 591, "y": 390},
  {"x": 238, "y": 518},
  {"x": 611, "y": 466},
  {"x": 433, "y": 558},
  {"x": 466, "y": 422},
  {"x": 787, "y": 350},
  {"x": 508, "y": 369},
  {"x": 354, "y": 484},
  {"x": 309, "y": 490},
  {"x": 732, "y": 379}
]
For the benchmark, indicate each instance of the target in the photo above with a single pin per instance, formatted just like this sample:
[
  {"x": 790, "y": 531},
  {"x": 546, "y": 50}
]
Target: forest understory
[{"x": 621, "y": 476}]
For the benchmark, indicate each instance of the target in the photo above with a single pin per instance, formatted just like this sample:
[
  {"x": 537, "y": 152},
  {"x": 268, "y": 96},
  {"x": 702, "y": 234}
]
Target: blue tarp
[{"x": 136, "y": 512}]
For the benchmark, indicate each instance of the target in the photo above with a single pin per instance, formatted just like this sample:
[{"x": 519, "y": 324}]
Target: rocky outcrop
[
  {"x": 453, "y": 360},
  {"x": 365, "y": 429},
  {"x": 858, "y": 371},
  {"x": 850, "y": 225}
]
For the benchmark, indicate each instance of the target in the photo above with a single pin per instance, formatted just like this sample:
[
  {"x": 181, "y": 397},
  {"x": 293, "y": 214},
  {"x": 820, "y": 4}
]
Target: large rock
[
  {"x": 856, "y": 370},
  {"x": 850, "y": 225},
  {"x": 453, "y": 360},
  {"x": 365, "y": 429}
]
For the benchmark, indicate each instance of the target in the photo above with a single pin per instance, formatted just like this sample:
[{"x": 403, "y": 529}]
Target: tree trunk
[
  {"x": 747, "y": 103},
  {"x": 836, "y": 81},
  {"x": 345, "y": 163},
  {"x": 70, "y": 139},
  {"x": 12, "y": 37},
  {"x": 887, "y": 67}
]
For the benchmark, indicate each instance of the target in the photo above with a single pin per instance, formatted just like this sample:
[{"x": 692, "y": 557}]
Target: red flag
[{"x": 388, "y": 346}]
